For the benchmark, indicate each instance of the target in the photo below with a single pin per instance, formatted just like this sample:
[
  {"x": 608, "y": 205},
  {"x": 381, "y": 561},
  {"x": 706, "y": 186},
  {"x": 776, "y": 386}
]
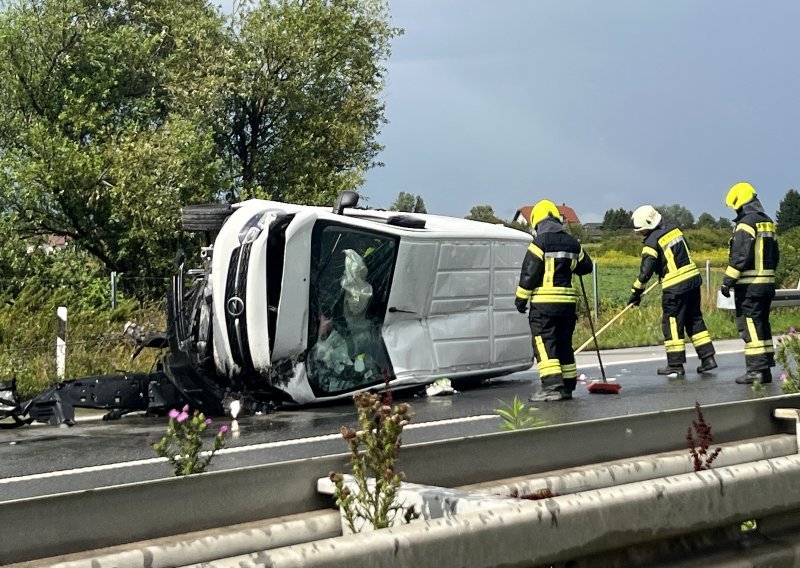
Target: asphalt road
[{"x": 40, "y": 459}]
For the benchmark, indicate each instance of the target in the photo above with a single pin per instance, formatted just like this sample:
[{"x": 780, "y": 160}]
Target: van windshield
[{"x": 351, "y": 275}]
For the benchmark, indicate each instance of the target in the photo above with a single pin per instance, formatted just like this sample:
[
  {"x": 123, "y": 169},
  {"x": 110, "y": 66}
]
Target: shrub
[
  {"x": 788, "y": 356},
  {"x": 787, "y": 273}
]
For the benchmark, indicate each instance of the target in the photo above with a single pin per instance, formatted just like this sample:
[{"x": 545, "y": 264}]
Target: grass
[{"x": 641, "y": 325}]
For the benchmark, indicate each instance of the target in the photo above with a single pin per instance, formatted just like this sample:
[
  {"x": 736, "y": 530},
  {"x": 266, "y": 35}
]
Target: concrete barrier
[
  {"x": 561, "y": 529},
  {"x": 86, "y": 520}
]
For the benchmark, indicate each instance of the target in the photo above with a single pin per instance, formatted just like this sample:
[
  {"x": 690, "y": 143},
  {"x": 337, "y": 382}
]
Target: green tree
[
  {"x": 788, "y": 215},
  {"x": 677, "y": 215},
  {"x": 404, "y": 202},
  {"x": 706, "y": 220},
  {"x": 483, "y": 213},
  {"x": 419, "y": 205},
  {"x": 724, "y": 223},
  {"x": 615, "y": 219},
  {"x": 302, "y": 106},
  {"x": 93, "y": 144}
]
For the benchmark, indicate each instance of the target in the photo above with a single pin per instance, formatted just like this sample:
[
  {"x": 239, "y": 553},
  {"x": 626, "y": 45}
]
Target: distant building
[{"x": 568, "y": 215}]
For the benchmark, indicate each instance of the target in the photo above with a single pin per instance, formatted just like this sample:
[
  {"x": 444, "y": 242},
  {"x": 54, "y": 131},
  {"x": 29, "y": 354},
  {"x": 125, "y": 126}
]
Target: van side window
[{"x": 351, "y": 275}]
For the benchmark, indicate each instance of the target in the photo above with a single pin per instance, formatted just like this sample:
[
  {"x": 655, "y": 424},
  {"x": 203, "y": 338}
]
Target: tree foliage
[
  {"x": 677, "y": 215},
  {"x": 706, "y": 220},
  {"x": 484, "y": 213},
  {"x": 301, "y": 110},
  {"x": 409, "y": 203},
  {"x": 615, "y": 219},
  {"x": 115, "y": 113},
  {"x": 92, "y": 144},
  {"x": 788, "y": 215}
]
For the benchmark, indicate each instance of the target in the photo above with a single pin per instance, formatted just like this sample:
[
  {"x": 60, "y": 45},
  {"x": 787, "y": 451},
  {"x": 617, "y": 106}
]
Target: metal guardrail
[
  {"x": 784, "y": 298},
  {"x": 86, "y": 520}
]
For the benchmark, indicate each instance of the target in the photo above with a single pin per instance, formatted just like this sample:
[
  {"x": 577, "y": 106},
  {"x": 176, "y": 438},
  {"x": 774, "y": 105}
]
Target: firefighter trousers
[
  {"x": 683, "y": 316},
  {"x": 752, "y": 321},
  {"x": 552, "y": 326}
]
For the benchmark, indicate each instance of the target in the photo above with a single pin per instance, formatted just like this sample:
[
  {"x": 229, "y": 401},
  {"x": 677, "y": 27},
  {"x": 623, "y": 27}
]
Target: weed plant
[
  {"x": 183, "y": 443},
  {"x": 698, "y": 446},
  {"x": 374, "y": 449},
  {"x": 516, "y": 415}
]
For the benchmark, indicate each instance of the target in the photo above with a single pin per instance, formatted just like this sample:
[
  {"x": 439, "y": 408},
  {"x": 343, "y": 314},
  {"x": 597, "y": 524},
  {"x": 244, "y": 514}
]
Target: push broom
[{"x": 597, "y": 387}]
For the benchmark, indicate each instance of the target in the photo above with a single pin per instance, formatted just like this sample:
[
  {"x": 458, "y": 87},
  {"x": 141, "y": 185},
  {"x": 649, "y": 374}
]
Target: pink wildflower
[
  {"x": 208, "y": 421},
  {"x": 173, "y": 413},
  {"x": 223, "y": 429},
  {"x": 182, "y": 416},
  {"x": 792, "y": 330},
  {"x": 784, "y": 377},
  {"x": 186, "y": 408}
]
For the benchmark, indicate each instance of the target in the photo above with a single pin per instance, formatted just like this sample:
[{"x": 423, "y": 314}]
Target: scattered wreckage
[{"x": 296, "y": 304}]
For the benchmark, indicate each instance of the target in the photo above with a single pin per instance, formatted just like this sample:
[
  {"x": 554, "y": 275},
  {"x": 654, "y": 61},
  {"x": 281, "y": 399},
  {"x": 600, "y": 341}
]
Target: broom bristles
[{"x": 605, "y": 388}]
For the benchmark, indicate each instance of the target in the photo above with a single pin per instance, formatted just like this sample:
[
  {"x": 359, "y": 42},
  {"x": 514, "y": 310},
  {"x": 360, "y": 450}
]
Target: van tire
[{"x": 208, "y": 217}]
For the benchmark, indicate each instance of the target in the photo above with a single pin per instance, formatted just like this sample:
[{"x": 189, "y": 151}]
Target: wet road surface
[{"x": 41, "y": 459}]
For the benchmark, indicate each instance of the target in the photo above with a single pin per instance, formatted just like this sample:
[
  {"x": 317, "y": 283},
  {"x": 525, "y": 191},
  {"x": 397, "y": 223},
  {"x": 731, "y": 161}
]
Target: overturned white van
[{"x": 319, "y": 303}]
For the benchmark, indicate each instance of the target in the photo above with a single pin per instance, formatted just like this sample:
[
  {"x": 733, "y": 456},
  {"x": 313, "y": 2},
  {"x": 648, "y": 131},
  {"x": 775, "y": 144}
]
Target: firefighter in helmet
[
  {"x": 546, "y": 282},
  {"x": 666, "y": 253},
  {"x": 752, "y": 260}
]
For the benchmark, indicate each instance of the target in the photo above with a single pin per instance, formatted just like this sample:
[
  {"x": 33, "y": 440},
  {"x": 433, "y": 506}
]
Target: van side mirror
[{"x": 345, "y": 199}]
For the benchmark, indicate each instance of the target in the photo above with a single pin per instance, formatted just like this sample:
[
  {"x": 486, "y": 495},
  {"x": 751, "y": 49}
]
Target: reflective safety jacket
[
  {"x": 753, "y": 255},
  {"x": 666, "y": 254},
  {"x": 551, "y": 260}
]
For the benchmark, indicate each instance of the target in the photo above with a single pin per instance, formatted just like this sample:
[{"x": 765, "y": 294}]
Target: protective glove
[
  {"x": 522, "y": 305},
  {"x": 725, "y": 290},
  {"x": 635, "y": 299}
]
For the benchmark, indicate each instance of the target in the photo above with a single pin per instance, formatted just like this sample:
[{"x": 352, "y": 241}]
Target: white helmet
[{"x": 645, "y": 218}]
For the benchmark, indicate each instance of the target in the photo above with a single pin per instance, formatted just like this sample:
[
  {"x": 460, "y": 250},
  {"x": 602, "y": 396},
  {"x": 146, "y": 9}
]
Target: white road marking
[
  {"x": 264, "y": 446},
  {"x": 654, "y": 357}
]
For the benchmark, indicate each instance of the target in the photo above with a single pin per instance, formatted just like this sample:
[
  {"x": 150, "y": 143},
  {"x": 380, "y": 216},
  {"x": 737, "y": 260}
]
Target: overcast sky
[{"x": 596, "y": 104}]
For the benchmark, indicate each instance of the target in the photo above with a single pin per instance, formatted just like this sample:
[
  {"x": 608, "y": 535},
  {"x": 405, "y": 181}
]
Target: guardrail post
[
  {"x": 708, "y": 276},
  {"x": 595, "y": 286},
  {"x": 61, "y": 342},
  {"x": 113, "y": 289}
]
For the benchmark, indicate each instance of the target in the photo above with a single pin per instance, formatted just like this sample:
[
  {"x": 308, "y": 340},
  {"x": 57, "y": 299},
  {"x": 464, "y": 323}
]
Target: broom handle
[{"x": 612, "y": 320}]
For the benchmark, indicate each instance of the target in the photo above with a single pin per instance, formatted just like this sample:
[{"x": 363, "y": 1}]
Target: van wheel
[{"x": 208, "y": 217}]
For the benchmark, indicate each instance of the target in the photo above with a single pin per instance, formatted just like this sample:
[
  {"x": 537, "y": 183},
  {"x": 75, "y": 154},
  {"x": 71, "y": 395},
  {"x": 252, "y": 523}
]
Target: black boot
[
  {"x": 672, "y": 370},
  {"x": 707, "y": 364},
  {"x": 750, "y": 377}
]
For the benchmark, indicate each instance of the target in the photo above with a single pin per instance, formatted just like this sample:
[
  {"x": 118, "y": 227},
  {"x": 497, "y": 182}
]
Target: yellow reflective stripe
[
  {"x": 523, "y": 293},
  {"x": 765, "y": 227},
  {"x": 732, "y": 272},
  {"x": 547, "y": 366},
  {"x": 746, "y": 228},
  {"x": 555, "y": 290},
  {"x": 569, "y": 371},
  {"x": 673, "y": 329},
  {"x": 666, "y": 240},
  {"x": 536, "y": 251},
  {"x": 674, "y": 346},
  {"x": 581, "y": 255},
  {"x": 544, "y": 299},
  {"x": 754, "y": 349},
  {"x": 549, "y": 271},
  {"x": 649, "y": 251},
  {"x": 751, "y": 329},
  {"x": 757, "y": 280},
  {"x": 679, "y": 275},
  {"x": 757, "y": 272},
  {"x": 638, "y": 285},
  {"x": 701, "y": 338}
]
